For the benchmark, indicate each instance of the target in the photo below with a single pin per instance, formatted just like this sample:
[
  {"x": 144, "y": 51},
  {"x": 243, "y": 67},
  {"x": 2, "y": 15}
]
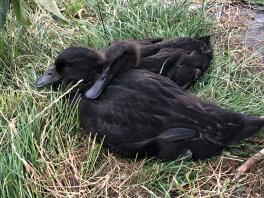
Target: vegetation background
[{"x": 43, "y": 152}]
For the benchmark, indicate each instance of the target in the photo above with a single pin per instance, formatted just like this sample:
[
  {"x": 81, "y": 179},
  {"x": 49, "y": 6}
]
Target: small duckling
[{"x": 140, "y": 112}]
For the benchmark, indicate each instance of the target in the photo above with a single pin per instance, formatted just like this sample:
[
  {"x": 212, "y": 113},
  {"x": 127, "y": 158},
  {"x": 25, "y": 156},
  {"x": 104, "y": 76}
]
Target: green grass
[
  {"x": 43, "y": 152},
  {"x": 258, "y": 1}
]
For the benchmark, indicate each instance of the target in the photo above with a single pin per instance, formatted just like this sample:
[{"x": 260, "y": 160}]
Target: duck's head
[
  {"x": 77, "y": 63},
  {"x": 73, "y": 64}
]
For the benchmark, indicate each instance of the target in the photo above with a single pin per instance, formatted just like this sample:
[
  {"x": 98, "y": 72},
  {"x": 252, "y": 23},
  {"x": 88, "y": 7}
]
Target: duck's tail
[
  {"x": 252, "y": 125},
  {"x": 205, "y": 39}
]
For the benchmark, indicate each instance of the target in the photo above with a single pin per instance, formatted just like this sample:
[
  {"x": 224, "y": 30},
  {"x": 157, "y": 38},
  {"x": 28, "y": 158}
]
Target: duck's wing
[
  {"x": 186, "y": 69},
  {"x": 160, "y": 62},
  {"x": 175, "y": 64},
  {"x": 167, "y": 145},
  {"x": 183, "y": 60},
  {"x": 200, "y": 48}
]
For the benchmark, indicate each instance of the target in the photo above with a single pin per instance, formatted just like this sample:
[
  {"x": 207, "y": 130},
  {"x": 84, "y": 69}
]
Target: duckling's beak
[{"x": 49, "y": 77}]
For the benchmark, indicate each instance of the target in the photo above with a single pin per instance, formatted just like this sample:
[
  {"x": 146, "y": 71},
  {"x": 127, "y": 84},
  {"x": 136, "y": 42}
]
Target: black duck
[{"x": 139, "y": 112}]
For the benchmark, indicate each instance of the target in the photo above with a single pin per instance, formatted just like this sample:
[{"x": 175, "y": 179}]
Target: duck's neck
[{"x": 126, "y": 56}]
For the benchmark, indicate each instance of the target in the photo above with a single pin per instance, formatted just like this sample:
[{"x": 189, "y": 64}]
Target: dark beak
[
  {"x": 49, "y": 77},
  {"x": 99, "y": 85}
]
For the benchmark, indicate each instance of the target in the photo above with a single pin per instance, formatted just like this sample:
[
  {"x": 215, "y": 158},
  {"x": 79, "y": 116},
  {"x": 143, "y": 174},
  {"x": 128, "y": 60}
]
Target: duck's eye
[{"x": 67, "y": 63}]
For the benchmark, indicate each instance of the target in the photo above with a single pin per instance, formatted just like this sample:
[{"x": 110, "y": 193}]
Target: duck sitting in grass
[
  {"x": 140, "y": 112},
  {"x": 183, "y": 60}
]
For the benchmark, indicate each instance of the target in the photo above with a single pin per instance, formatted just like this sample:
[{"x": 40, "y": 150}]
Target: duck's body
[
  {"x": 142, "y": 113},
  {"x": 139, "y": 112}
]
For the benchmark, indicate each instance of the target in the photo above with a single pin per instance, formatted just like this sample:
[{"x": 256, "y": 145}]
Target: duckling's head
[{"x": 73, "y": 64}]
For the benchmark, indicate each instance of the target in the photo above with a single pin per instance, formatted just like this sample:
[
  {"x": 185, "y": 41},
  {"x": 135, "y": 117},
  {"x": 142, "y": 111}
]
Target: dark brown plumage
[
  {"x": 141, "y": 112},
  {"x": 183, "y": 60}
]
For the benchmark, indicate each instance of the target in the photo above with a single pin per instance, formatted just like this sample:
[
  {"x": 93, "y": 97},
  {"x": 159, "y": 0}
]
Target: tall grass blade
[
  {"x": 3, "y": 12},
  {"x": 19, "y": 12}
]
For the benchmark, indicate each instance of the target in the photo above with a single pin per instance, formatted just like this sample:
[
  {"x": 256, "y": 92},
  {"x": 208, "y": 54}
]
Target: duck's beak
[
  {"x": 99, "y": 85},
  {"x": 49, "y": 77}
]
